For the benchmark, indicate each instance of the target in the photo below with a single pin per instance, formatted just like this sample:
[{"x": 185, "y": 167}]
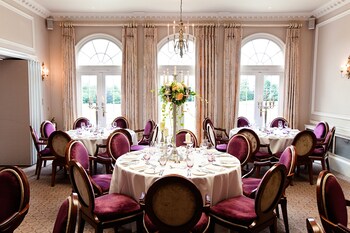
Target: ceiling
[{"x": 196, "y": 7}]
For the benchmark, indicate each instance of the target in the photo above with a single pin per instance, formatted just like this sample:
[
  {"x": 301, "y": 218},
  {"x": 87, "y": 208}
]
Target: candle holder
[
  {"x": 96, "y": 107},
  {"x": 263, "y": 106}
]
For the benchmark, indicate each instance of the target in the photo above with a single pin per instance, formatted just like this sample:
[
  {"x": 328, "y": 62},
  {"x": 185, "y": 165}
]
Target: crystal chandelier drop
[{"x": 181, "y": 44}]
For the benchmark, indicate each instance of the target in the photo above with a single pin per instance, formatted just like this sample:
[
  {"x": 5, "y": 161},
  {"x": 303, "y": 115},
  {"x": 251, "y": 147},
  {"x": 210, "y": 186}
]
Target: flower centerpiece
[{"x": 173, "y": 94}]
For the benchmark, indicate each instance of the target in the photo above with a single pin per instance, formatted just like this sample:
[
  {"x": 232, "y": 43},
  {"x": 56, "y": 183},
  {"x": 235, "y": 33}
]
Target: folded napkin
[
  {"x": 138, "y": 167},
  {"x": 214, "y": 168}
]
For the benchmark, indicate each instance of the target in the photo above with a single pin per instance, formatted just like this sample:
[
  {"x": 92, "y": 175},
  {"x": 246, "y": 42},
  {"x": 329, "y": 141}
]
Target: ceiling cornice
[
  {"x": 34, "y": 7},
  {"x": 146, "y": 16},
  {"x": 329, "y": 7},
  {"x": 169, "y": 17}
]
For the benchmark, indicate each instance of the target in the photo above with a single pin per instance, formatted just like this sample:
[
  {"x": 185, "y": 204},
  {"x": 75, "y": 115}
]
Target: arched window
[
  {"x": 261, "y": 80},
  {"x": 99, "y": 60},
  {"x": 168, "y": 62}
]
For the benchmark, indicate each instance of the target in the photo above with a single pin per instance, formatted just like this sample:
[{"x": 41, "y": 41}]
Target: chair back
[
  {"x": 57, "y": 143},
  {"x": 181, "y": 137},
  {"x": 242, "y": 121},
  {"x": 239, "y": 147},
  {"x": 117, "y": 145},
  {"x": 304, "y": 142},
  {"x": 211, "y": 134},
  {"x": 174, "y": 204},
  {"x": 321, "y": 130},
  {"x": 252, "y": 138},
  {"x": 77, "y": 123},
  {"x": 148, "y": 128},
  {"x": 67, "y": 215},
  {"x": 76, "y": 150},
  {"x": 274, "y": 122},
  {"x": 288, "y": 158},
  {"x": 35, "y": 138},
  {"x": 270, "y": 191},
  {"x": 204, "y": 125},
  {"x": 82, "y": 186},
  {"x": 46, "y": 128},
  {"x": 329, "y": 139},
  {"x": 331, "y": 201},
  {"x": 126, "y": 133},
  {"x": 14, "y": 198},
  {"x": 121, "y": 122},
  {"x": 154, "y": 135}
]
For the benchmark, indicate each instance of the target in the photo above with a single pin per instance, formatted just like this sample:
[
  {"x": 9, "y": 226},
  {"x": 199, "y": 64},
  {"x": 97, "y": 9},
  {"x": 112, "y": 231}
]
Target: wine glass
[
  {"x": 163, "y": 160},
  {"x": 83, "y": 126},
  {"x": 190, "y": 163},
  {"x": 147, "y": 157},
  {"x": 280, "y": 124},
  {"x": 210, "y": 157}
]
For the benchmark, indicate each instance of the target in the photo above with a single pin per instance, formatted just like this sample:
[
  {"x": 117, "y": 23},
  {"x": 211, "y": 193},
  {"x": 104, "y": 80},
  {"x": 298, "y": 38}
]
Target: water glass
[
  {"x": 210, "y": 157},
  {"x": 189, "y": 163},
  {"x": 147, "y": 157},
  {"x": 163, "y": 160}
]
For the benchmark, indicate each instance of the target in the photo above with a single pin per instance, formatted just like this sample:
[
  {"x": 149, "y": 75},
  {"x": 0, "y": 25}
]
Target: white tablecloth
[
  {"x": 220, "y": 180},
  {"x": 278, "y": 139},
  {"x": 91, "y": 139}
]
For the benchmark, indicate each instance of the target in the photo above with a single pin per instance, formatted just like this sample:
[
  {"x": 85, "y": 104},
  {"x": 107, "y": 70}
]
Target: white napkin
[
  {"x": 214, "y": 168},
  {"x": 138, "y": 167}
]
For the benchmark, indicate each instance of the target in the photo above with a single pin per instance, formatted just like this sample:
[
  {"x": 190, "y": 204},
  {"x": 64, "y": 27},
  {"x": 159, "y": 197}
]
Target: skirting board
[{"x": 339, "y": 164}]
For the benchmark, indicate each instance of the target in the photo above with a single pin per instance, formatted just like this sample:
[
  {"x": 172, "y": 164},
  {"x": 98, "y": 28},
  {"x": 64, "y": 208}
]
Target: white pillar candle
[
  {"x": 174, "y": 70},
  {"x": 188, "y": 138}
]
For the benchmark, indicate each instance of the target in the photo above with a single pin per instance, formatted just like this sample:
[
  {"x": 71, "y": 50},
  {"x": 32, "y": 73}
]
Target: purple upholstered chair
[
  {"x": 242, "y": 122},
  {"x": 46, "y": 128},
  {"x": 331, "y": 203},
  {"x": 121, "y": 122},
  {"x": 274, "y": 122},
  {"x": 42, "y": 154},
  {"x": 146, "y": 132},
  {"x": 213, "y": 139},
  {"x": 117, "y": 145},
  {"x": 14, "y": 198},
  {"x": 77, "y": 123},
  {"x": 260, "y": 152},
  {"x": 239, "y": 147},
  {"x": 321, "y": 150},
  {"x": 305, "y": 142},
  {"x": 221, "y": 135},
  {"x": 67, "y": 215},
  {"x": 106, "y": 211},
  {"x": 243, "y": 214},
  {"x": 321, "y": 130},
  {"x": 58, "y": 141},
  {"x": 161, "y": 204},
  {"x": 250, "y": 184},
  {"x": 181, "y": 137},
  {"x": 78, "y": 152}
]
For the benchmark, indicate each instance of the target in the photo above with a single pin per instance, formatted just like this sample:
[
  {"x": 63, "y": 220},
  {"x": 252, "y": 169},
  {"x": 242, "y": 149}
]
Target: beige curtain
[
  {"x": 206, "y": 75},
  {"x": 69, "y": 76},
  {"x": 150, "y": 111},
  {"x": 130, "y": 107},
  {"x": 292, "y": 75},
  {"x": 232, "y": 56}
]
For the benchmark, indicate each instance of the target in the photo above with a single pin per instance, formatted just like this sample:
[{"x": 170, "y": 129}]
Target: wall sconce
[
  {"x": 44, "y": 71},
  {"x": 345, "y": 69}
]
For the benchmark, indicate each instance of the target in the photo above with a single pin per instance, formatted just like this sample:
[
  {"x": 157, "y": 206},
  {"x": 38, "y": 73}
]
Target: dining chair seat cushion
[
  {"x": 103, "y": 180},
  {"x": 250, "y": 184},
  {"x": 138, "y": 147},
  {"x": 318, "y": 151},
  {"x": 114, "y": 205},
  {"x": 261, "y": 155},
  {"x": 242, "y": 213},
  {"x": 45, "y": 152},
  {"x": 201, "y": 225},
  {"x": 221, "y": 147}
]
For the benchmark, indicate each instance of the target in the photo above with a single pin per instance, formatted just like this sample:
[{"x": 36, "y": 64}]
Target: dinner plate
[{"x": 138, "y": 167}]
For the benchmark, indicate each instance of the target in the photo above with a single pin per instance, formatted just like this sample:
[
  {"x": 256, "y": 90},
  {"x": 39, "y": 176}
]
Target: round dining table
[
  {"x": 220, "y": 179},
  {"x": 90, "y": 138},
  {"x": 278, "y": 139}
]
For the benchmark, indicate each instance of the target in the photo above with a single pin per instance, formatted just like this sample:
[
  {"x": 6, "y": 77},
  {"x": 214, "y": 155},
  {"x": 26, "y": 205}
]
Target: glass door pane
[
  {"x": 88, "y": 94},
  {"x": 271, "y": 93},
  {"x": 113, "y": 97},
  {"x": 246, "y": 105}
]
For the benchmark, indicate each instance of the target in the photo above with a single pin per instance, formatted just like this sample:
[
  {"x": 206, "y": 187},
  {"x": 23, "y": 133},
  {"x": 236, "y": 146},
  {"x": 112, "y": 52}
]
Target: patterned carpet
[{"x": 46, "y": 200}]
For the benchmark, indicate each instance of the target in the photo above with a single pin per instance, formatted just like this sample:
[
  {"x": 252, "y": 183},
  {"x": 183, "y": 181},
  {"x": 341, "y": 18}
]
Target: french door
[
  {"x": 257, "y": 87},
  {"x": 99, "y": 96}
]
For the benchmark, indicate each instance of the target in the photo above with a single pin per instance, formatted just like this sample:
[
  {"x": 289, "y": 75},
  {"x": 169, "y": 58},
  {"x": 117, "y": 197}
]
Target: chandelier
[{"x": 181, "y": 44}]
